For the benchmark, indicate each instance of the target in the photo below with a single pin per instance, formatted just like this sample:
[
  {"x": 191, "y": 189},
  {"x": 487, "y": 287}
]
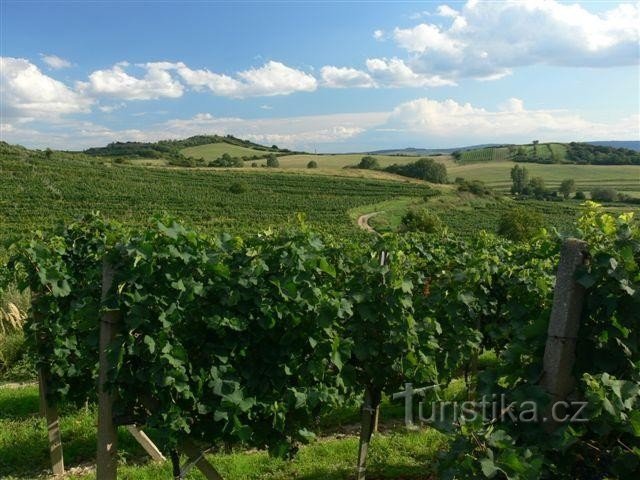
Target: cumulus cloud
[
  {"x": 343, "y": 77},
  {"x": 28, "y": 94},
  {"x": 449, "y": 122},
  {"x": 273, "y": 78},
  {"x": 115, "y": 82},
  {"x": 394, "y": 72},
  {"x": 55, "y": 62},
  {"x": 378, "y": 34},
  {"x": 486, "y": 39}
]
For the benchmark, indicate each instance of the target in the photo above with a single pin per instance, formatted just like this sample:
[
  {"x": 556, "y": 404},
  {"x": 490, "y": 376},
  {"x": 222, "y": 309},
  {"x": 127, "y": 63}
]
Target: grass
[
  {"x": 624, "y": 178},
  {"x": 212, "y": 151},
  {"x": 395, "y": 453}
]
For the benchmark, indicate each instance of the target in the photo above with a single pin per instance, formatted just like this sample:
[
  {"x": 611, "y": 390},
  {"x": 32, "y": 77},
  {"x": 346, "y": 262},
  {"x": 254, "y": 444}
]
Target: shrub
[
  {"x": 238, "y": 187},
  {"x": 421, "y": 220},
  {"x": 368, "y": 163},
  {"x": 580, "y": 195},
  {"x": 425, "y": 169},
  {"x": 567, "y": 187},
  {"x": 604, "y": 194},
  {"x": 272, "y": 161},
  {"x": 520, "y": 224},
  {"x": 312, "y": 164}
]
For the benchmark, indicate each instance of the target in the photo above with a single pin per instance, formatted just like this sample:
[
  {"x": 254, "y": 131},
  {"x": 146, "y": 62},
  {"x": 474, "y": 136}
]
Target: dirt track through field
[{"x": 363, "y": 221}]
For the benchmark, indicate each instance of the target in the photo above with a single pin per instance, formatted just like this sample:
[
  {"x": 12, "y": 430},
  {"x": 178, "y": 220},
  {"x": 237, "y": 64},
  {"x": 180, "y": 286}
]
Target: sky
[{"x": 325, "y": 77}]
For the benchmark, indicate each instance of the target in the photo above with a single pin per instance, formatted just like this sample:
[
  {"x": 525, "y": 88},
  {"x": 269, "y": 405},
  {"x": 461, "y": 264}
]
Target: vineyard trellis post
[
  {"x": 107, "y": 448},
  {"x": 49, "y": 411},
  {"x": 564, "y": 322}
]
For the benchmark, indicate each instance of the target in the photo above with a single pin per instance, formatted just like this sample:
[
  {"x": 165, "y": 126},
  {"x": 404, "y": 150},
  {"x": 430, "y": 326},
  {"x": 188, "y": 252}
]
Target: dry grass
[{"x": 11, "y": 318}]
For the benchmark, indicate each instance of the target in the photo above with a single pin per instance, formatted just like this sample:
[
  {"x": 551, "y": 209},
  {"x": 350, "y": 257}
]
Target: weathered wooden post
[
  {"x": 106, "y": 464},
  {"x": 568, "y": 300},
  {"x": 50, "y": 412}
]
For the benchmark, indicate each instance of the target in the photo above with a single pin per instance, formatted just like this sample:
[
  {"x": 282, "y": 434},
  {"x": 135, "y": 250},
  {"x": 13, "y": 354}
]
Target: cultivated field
[
  {"x": 624, "y": 178},
  {"x": 338, "y": 161}
]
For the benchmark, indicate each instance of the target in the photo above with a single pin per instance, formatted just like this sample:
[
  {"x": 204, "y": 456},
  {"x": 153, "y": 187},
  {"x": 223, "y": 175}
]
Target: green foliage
[
  {"x": 226, "y": 160},
  {"x": 425, "y": 169},
  {"x": 312, "y": 164},
  {"x": 567, "y": 187},
  {"x": 239, "y": 187},
  {"x": 604, "y": 195},
  {"x": 580, "y": 195},
  {"x": 272, "y": 161},
  {"x": 520, "y": 179},
  {"x": 421, "y": 220},
  {"x": 519, "y": 224},
  {"x": 586, "y": 154},
  {"x": 368, "y": 163}
]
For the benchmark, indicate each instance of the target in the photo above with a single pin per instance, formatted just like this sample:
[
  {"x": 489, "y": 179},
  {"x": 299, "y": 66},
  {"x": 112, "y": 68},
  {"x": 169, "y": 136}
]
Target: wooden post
[
  {"x": 50, "y": 413},
  {"x": 198, "y": 459},
  {"x": 370, "y": 404},
  {"x": 568, "y": 299},
  {"x": 106, "y": 465},
  {"x": 146, "y": 443}
]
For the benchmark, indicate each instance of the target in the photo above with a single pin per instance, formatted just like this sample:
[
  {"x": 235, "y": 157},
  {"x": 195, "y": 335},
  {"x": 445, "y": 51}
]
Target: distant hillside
[
  {"x": 628, "y": 144},
  {"x": 551, "y": 153},
  {"x": 171, "y": 149},
  {"x": 428, "y": 151}
]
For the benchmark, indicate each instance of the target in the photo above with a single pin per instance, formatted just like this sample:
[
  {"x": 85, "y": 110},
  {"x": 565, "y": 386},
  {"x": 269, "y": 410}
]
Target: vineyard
[
  {"x": 248, "y": 340},
  {"x": 36, "y": 192}
]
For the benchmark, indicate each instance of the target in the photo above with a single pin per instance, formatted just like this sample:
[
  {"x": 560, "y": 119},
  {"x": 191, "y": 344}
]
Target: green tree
[
  {"x": 537, "y": 186},
  {"x": 368, "y": 163},
  {"x": 272, "y": 161},
  {"x": 604, "y": 194},
  {"x": 520, "y": 179},
  {"x": 421, "y": 220},
  {"x": 567, "y": 187},
  {"x": 520, "y": 224},
  {"x": 312, "y": 164}
]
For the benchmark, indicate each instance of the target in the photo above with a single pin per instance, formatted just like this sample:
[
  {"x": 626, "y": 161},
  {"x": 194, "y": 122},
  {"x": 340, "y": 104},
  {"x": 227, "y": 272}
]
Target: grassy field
[
  {"x": 395, "y": 453},
  {"x": 624, "y": 178},
  {"x": 339, "y": 161},
  {"x": 214, "y": 150}
]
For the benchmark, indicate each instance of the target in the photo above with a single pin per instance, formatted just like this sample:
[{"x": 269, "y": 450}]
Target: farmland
[
  {"x": 35, "y": 193},
  {"x": 338, "y": 161}
]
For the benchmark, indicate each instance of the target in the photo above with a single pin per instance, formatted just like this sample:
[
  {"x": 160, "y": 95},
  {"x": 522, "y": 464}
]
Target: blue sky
[{"x": 333, "y": 76}]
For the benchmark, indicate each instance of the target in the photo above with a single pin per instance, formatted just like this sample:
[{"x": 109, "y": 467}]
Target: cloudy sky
[{"x": 319, "y": 76}]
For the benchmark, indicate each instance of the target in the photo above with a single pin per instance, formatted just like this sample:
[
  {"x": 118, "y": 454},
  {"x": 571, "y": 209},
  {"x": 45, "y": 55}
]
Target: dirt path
[{"x": 363, "y": 221}]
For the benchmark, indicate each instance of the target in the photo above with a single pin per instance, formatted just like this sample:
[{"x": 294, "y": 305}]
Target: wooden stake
[
  {"x": 369, "y": 406},
  {"x": 50, "y": 413},
  {"x": 106, "y": 465},
  {"x": 146, "y": 443},
  {"x": 198, "y": 459}
]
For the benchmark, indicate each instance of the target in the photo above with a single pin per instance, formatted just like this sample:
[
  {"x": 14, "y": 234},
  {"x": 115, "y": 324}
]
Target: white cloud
[
  {"x": 451, "y": 122},
  {"x": 115, "y": 82},
  {"x": 486, "y": 39},
  {"x": 394, "y": 72},
  {"x": 111, "y": 108},
  {"x": 447, "y": 11},
  {"x": 29, "y": 94},
  {"x": 378, "y": 34},
  {"x": 343, "y": 77},
  {"x": 273, "y": 78},
  {"x": 56, "y": 62}
]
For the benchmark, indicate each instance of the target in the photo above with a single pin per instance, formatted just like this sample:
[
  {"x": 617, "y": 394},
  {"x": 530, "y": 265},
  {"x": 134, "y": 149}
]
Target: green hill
[
  {"x": 212, "y": 151},
  {"x": 551, "y": 153},
  {"x": 174, "y": 149}
]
